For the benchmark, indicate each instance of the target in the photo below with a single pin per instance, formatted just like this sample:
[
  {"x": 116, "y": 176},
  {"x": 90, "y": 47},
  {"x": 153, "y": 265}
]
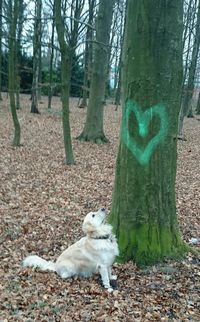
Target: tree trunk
[
  {"x": 65, "y": 82},
  {"x": 36, "y": 57},
  {"x": 198, "y": 105},
  {"x": 50, "y": 93},
  {"x": 188, "y": 35},
  {"x": 118, "y": 89},
  {"x": 88, "y": 54},
  {"x": 143, "y": 207},
  {"x": 40, "y": 64},
  {"x": 11, "y": 72},
  {"x": 0, "y": 47},
  {"x": 93, "y": 129},
  {"x": 189, "y": 88},
  {"x": 18, "y": 52},
  {"x": 122, "y": 28},
  {"x": 17, "y": 98}
]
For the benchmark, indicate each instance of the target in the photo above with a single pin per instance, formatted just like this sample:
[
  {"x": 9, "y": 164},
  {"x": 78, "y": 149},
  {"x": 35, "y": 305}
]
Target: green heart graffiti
[{"x": 143, "y": 155}]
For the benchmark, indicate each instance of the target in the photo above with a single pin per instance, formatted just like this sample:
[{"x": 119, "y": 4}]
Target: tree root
[{"x": 97, "y": 140}]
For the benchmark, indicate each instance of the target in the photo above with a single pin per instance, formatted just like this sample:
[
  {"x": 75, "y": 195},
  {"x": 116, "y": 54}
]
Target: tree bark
[
  {"x": 18, "y": 52},
  {"x": 36, "y": 57},
  {"x": 65, "y": 82},
  {"x": 88, "y": 54},
  {"x": 143, "y": 211},
  {"x": 0, "y": 48},
  {"x": 198, "y": 105},
  {"x": 50, "y": 93},
  {"x": 11, "y": 71},
  {"x": 188, "y": 35},
  {"x": 119, "y": 67},
  {"x": 93, "y": 129},
  {"x": 189, "y": 88},
  {"x": 118, "y": 89}
]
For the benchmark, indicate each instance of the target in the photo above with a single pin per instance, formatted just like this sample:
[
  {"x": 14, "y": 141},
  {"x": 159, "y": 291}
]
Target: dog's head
[{"x": 93, "y": 221}]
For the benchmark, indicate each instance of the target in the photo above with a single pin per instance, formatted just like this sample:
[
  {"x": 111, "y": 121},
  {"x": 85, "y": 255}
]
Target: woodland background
[
  {"x": 43, "y": 201},
  {"x": 42, "y": 206}
]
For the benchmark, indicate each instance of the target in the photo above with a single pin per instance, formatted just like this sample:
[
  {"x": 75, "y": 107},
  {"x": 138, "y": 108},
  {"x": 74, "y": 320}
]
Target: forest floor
[{"x": 43, "y": 203}]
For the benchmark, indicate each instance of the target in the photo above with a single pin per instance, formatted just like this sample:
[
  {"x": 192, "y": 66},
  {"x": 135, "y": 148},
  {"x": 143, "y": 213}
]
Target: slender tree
[
  {"x": 119, "y": 67},
  {"x": 93, "y": 129},
  {"x": 50, "y": 93},
  {"x": 18, "y": 53},
  {"x": 189, "y": 87},
  {"x": 65, "y": 81},
  {"x": 88, "y": 53},
  {"x": 198, "y": 105},
  {"x": 193, "y": 66},
  {"x": 14, "y": 9},
  {"x": 189, "y": 25},
  {"x": 36, "y": 56},
  {"x": 117, "y": 32},
  {"x": 143, "y": 207}
]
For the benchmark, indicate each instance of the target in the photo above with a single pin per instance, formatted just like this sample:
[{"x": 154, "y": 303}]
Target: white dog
[{"x": 93, "y": 253}]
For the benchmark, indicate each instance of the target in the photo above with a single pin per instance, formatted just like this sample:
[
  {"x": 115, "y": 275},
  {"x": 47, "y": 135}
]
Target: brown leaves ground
[{"x": 42, "y": 204}]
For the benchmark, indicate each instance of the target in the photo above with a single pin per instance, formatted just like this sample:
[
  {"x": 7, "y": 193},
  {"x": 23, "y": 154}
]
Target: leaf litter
[{"x": 43, "y": 203}]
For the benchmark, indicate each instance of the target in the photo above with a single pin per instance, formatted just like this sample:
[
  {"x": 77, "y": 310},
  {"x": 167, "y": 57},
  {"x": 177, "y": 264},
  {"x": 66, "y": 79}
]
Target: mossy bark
[
  {"x": 93, "y": 129},
  {"x": 1, "y": 3},
  {"x": 143, "y": 211}
]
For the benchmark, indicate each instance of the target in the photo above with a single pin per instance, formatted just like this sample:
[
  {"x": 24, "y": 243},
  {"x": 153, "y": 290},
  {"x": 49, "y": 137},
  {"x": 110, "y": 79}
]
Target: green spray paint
[{"x": 143, "y": 155}]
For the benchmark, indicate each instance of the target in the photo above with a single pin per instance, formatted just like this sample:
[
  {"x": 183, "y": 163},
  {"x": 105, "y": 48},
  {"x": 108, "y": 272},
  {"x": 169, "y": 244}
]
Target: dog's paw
[
  {"x": 113, "y": 284},
  {"x": 64, "y": 275},
  {"x": 109, "y": 289},
  {"x": 113, "y": 277}
]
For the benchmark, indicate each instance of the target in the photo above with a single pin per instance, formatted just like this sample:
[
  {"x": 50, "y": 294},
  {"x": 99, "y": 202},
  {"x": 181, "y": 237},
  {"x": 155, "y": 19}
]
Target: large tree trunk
[
  {"x": 143, "y": 208},
  {"x": 0, "y": 47},
  {"x": 11, "y": 71},
  {"x": 65, "y": 82},
  {"x": 36, "y": 57},
  {"x": 93, "y": 129}
]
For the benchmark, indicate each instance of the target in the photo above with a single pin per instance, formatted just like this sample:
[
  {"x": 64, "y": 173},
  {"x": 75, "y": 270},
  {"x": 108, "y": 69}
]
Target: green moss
[{"x": 147, "y": 244}]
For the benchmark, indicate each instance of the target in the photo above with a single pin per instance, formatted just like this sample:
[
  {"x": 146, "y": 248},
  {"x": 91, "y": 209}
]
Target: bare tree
[
  {"x": 50, "y": 93},
  {"x": 65, "y": 81},
  {"x": 121, "y": 13},
  {"x": 189, "y": 88},
  {"x": 36, "y": 56},
  {"x": 189, "y": 25},
  {"x": 14, "y": 12},
  {"x": 93, "y": 129},
  {"x": 198, "y": 105},
  {"x": 18, "y": 51},
  {"x": 88, "y": 53}
]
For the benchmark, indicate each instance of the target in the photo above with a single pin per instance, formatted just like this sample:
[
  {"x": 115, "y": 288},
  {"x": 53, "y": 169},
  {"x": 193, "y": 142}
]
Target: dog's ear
[{"x": 88, "y": 228}]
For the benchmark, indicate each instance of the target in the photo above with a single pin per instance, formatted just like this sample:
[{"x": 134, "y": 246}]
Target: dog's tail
[{"x": 36, "y": 261}]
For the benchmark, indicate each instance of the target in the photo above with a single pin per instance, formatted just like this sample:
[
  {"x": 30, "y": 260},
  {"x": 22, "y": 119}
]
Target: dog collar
[{"x": 102, "y": 237}]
